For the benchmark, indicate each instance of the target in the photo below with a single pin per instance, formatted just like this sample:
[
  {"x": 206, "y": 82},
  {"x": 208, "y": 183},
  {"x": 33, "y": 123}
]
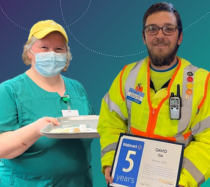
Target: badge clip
[{"x": 139, "y": 88}]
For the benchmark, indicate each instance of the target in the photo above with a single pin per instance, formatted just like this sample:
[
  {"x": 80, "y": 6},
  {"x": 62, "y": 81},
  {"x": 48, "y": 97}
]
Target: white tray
[{"x": 91, "y": 121}]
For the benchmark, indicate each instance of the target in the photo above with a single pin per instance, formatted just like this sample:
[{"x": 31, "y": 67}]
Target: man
[{"x": 156, "y": 77}]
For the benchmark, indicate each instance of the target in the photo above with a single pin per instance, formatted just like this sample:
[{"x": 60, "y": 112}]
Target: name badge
[
  {"x": 135, "y": 96},
  {"x": 68, "y": 113}
]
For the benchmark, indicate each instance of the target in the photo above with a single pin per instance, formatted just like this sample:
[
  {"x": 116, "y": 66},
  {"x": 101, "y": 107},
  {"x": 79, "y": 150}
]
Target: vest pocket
[{"x": 20, "y": 181}]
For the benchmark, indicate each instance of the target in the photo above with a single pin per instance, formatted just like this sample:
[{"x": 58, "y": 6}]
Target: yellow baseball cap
[{"x": 43, "y": 28}]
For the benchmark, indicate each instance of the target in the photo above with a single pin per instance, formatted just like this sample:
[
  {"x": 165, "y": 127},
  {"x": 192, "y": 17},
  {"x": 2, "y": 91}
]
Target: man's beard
[{"x": 162, "y": 59}]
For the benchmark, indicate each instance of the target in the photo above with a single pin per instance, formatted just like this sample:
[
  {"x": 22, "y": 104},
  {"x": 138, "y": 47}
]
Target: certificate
[{"x": 144, "y": 162}]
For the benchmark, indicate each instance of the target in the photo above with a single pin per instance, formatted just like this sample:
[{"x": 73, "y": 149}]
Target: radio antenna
[{"x": 178, "y": 94}]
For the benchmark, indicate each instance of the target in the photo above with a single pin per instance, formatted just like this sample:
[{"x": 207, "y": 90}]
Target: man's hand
[
  {"x": 107, "y": 175},
  {"x": 181, "y": 186}
]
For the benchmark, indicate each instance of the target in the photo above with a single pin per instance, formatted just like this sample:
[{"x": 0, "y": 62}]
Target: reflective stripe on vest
[
  {"x": 185, "y": 139},
  {"x": 130, "y": 83},
  {"x": 113, "y": 107},
  {"x": 191, "y": 168},
  {"x": 108, "y": 148},
  {"x": 201, "y": 126},
  {"x": 185, "y": 115}
]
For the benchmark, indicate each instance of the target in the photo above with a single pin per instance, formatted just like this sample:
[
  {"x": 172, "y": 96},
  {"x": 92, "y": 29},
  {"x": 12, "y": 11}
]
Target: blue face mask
[{"x": 50, "y": 64}]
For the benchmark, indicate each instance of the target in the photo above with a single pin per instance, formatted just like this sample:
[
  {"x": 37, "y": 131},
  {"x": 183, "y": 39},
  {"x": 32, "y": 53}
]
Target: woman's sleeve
[{"x": 8, "y": 109}]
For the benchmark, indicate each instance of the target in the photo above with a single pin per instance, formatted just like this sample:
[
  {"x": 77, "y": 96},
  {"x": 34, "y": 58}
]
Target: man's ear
[
  {"x": 180, "y": 38},
  {"x": 143, "y": 36}
]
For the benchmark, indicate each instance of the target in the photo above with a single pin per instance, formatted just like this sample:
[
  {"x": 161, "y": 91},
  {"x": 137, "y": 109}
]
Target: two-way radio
[{"x": 175, "y": 104}]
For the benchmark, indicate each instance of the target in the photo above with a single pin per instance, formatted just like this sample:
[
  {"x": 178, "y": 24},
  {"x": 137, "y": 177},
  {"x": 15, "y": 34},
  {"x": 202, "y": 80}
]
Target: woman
[{"x": 27, "y": 157}]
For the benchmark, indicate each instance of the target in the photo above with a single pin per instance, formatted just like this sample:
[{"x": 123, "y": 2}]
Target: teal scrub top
[{"x": 48, "y": 162}]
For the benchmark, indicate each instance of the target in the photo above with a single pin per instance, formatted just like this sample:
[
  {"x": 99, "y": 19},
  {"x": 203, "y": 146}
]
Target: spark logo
[{"x": 140, "y": 147}]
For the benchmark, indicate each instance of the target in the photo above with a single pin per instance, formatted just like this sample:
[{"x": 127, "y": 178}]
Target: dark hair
[{"x": 162, "y": 7}]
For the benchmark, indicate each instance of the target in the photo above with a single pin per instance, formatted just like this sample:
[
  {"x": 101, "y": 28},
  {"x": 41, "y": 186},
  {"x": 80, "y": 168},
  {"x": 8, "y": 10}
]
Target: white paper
[{"x": 159, "y": 163}]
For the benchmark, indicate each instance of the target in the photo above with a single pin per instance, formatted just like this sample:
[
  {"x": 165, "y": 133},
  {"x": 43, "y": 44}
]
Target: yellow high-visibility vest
[{"x": 151, "y": 118}]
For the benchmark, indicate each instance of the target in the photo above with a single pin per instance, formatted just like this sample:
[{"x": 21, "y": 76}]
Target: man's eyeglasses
[{"x": 167, "y": 30}]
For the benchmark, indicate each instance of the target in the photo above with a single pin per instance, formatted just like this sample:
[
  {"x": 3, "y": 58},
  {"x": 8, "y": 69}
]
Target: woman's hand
[
  {"x": 42, "y": 122},
  {"x": 107, "y": 174}
]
